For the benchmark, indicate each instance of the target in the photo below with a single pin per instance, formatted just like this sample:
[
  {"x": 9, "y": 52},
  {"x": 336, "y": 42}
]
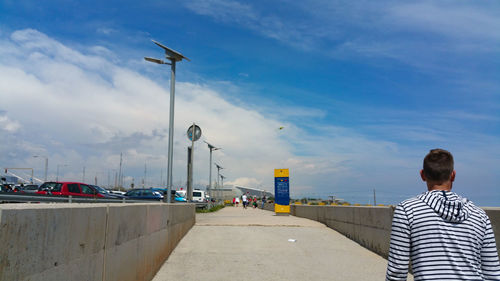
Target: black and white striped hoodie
[{"x": 445, "y": 237}]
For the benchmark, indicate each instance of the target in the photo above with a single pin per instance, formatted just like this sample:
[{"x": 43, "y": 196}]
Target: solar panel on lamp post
[{"x": 173, "y": 57}]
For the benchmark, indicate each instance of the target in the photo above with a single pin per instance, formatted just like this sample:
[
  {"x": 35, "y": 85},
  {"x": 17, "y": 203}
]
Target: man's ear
[
  {"x": 453, "y": 174},
  {"x": 422, "y": 175}
]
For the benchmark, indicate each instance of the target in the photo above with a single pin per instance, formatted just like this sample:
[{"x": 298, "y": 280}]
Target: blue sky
[{"x": 363, "y": 90}]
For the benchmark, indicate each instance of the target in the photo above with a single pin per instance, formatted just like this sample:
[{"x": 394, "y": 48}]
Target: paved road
[{"x": 252, "y": 244}]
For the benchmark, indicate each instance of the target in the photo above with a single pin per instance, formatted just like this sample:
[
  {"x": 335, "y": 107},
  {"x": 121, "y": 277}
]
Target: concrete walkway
[{"x": 252, "y": 244}]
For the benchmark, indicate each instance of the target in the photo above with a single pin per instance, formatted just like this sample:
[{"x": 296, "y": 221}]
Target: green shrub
[{"x": 213, "y": 209}]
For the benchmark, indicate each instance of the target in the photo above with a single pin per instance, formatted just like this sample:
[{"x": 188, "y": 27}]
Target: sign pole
[
  {"x": 193, "y": 133},
  {"x": 190, "y": 187}
]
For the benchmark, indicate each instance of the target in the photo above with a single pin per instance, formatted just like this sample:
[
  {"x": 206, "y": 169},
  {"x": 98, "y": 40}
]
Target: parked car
[
  {"x": 106, "y": 192},
  {"x": 198, "y": 196},
  {"x": 182, "y": 193},
  {"x": 48, "y": 186},
  {"x": 162, "y": 191},
  {"x": 29, "y": 188},
  {"x": 69, "y": 188},
  {"x": 6, "y": 188},
  {"x": 144, "y": 193},
  {"x": 117, "y": 192},
  {"x": 180, "y": 198},
  {"x": 174, "y": 195}
]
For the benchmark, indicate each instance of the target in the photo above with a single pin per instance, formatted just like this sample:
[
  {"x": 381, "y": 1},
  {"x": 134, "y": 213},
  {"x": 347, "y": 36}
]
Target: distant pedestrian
[
  {"x": 263, "y": 201},
  {"x": 245, "y": 200},
  {"x": 443, "y": 236},
  {"x": 234, "y": 201},
  {"x": 237, "y": 201},
  {"x": 255, "y": 202}
]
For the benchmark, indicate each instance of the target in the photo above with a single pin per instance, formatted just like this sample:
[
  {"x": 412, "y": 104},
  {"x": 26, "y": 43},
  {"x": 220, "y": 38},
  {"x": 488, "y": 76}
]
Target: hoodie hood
[{"x": 447, "y": 205}]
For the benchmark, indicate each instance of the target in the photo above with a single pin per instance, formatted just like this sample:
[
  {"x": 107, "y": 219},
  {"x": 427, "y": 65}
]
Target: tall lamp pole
[
  {"x": 218, "y": 173},
  {"x": 173, "y": 57},
  {"x": 57, "y": 174},
  {"x": 221, "y": 191},
  {"x": 212, "y": 148},
  {"x": 46, "y": 164}
]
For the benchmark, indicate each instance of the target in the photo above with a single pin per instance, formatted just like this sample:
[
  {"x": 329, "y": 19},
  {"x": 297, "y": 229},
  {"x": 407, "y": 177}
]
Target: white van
[{"x": 199, "y": 196}]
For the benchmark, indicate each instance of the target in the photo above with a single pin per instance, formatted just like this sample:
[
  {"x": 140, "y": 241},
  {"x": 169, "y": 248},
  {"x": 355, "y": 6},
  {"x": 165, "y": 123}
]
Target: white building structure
[{"x": 231, "y": 191}]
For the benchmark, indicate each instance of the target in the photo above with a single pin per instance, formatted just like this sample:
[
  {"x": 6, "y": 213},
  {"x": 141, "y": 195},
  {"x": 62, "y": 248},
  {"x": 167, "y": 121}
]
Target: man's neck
[{"x": 445, "y": 186}]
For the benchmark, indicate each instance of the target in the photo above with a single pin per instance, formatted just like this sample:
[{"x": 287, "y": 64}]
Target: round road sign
[{"x": 197, "y": 133}]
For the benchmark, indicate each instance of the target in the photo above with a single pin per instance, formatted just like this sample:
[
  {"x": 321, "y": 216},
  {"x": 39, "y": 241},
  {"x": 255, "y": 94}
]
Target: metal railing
[{"x": 14, "y": 197}]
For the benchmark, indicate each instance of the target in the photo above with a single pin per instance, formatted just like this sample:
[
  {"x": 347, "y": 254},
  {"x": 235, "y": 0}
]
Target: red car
[{"x": 70, "y": 188}]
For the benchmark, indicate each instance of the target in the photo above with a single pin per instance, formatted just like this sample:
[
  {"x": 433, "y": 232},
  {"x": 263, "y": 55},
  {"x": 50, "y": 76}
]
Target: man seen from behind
[{"x": 443, "y": 236}]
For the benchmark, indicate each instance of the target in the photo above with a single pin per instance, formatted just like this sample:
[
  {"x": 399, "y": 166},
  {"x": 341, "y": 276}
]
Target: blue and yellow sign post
[{"x": 281, "y": 191}]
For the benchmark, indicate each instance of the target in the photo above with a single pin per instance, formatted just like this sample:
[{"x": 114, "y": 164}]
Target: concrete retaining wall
[
  {"x": 89, "y": 241},
  {"x": 269, "y": 207},
  {"x": 494, "y": 214},
  {"x": 368, "y": 226}
]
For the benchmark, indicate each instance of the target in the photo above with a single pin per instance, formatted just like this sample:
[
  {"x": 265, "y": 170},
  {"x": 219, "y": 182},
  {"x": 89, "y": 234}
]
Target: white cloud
[
  {"x": 244, "y": 181},
  {"x": 299, "y": 35},
  {"x": 224, "y": 10},
  {"x": 86, "y": 110},
  {"x": 432, "y": 36},
  {"x": 83, "y": 110},
  {"x": 105, "y": 30},
  {"x": 7, "y": 124},
  {"x": 453, "y": 20}
]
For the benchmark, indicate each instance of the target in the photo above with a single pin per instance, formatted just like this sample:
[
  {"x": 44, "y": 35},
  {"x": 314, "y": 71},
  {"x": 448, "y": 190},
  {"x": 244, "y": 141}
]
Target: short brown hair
[{"x": 438, "y": 165}]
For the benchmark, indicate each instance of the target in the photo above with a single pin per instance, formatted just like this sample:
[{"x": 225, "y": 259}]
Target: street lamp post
[
  {"x": 218, "y": 173},
  {"x": 212, "y": 148},
  {"x": 173, "y": 57},
  {"x": 57, "y": 174},
  {"x": 46, "y": 164},
  {"x": 222, "y": 181},
  {"x": 145, "y": 172},
  {"x": 222, "y": 186}
]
